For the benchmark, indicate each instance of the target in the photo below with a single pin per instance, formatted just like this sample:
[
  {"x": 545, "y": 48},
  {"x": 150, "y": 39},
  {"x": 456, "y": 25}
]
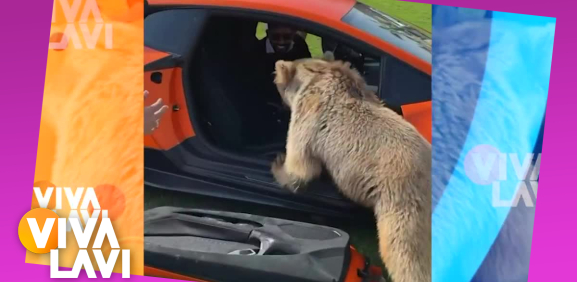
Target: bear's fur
[{"x": 374, "y": 156}]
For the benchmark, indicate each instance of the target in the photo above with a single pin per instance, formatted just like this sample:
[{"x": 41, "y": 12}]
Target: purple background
[
  {"x": 555, "y": 230},
  {"x": 26, "y": 30}
]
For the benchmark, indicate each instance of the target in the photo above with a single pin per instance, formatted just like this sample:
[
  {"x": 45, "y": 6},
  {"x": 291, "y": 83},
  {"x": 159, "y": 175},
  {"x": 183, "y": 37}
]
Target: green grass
[
  {"x": 416, "y": 14},
  {"x": 363, "y": 237}
]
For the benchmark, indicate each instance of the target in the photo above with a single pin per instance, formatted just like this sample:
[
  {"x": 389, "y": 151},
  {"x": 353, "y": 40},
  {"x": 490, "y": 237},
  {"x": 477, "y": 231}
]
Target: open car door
[{"x": 164, "y": 51}]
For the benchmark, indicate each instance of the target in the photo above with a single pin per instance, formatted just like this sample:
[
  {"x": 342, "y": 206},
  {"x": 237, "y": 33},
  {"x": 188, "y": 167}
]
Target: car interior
[{"x": 240, "y": 110}]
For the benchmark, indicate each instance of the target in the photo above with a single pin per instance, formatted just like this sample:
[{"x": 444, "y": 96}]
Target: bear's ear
[
  {"x": 284, "y": 72},
  {"x": 329, "y": 56}
]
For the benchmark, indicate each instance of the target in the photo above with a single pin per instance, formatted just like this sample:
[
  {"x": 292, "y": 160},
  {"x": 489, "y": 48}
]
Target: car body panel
[
  {"x": 151, "y": 55},
  {"x": 420, "y": 115}
]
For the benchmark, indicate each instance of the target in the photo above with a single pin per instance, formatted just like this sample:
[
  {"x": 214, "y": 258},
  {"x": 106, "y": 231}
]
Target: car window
[
  {"x": 313, "y": 41},
  {"x": 164, "y": 30},
  {"x": 404, "y": 84},
  {"x": 390, "y": 30},
  {"x": 368, "y": 65}
]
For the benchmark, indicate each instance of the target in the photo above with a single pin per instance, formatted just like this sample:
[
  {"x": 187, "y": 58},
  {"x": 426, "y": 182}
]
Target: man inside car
[{"x": 282, "y": 42}]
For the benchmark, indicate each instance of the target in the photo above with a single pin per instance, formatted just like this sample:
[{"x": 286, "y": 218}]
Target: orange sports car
[{"x": 226, "y": 124}]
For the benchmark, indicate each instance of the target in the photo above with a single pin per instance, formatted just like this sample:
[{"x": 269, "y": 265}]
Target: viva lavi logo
[{"x": 41, "y": 230}]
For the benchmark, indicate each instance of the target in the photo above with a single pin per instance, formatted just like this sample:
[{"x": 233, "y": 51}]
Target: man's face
[{"x": 281, "y": 38}]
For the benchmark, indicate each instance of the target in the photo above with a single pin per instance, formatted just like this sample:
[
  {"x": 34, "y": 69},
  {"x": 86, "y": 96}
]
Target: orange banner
[{"x": 91, "y": 131}]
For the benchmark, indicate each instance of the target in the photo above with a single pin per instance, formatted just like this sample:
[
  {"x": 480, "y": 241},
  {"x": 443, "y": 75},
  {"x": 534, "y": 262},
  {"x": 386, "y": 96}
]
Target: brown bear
[{"x": 374, "y": 156}]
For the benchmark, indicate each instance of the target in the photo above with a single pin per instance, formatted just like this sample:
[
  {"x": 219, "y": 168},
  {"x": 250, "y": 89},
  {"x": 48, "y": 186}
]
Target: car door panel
[
  {"x": 166, "y": 48},
  {"x": 175, "y": 126}
]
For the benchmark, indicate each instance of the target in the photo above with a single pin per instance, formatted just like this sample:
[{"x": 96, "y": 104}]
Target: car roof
[{"x": 335, "y": 9}]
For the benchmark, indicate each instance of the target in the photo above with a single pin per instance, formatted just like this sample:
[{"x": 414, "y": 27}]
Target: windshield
[{"x": 390, "y": 30}]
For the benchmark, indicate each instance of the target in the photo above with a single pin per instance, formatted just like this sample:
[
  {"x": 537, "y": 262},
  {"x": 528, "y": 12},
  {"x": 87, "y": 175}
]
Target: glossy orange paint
[
  {"x": 421, "y": 116},
  {"x": 151, "y": 55},
  {"x": 357, "y": 262},
  {"x": 331, "y": 15},
  {"x": 175, "y": 126},
  {"x": 155, "y": 272}
]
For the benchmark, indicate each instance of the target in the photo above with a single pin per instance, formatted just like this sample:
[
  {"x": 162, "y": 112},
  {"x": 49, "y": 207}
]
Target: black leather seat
[{"x": 226, "y": 79}]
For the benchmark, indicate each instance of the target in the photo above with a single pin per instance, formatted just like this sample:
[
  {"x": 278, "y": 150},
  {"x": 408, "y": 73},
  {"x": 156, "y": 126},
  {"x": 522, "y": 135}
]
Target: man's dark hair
[{"x": 279, "y": 25}]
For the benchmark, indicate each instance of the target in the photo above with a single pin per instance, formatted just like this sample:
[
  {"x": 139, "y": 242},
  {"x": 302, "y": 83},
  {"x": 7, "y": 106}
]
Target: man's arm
[{"x": 152, "y": 114}]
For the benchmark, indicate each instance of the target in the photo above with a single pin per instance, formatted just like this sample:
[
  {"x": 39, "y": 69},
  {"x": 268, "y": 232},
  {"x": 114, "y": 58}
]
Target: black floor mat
[{"x": 203, "y": 243}]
